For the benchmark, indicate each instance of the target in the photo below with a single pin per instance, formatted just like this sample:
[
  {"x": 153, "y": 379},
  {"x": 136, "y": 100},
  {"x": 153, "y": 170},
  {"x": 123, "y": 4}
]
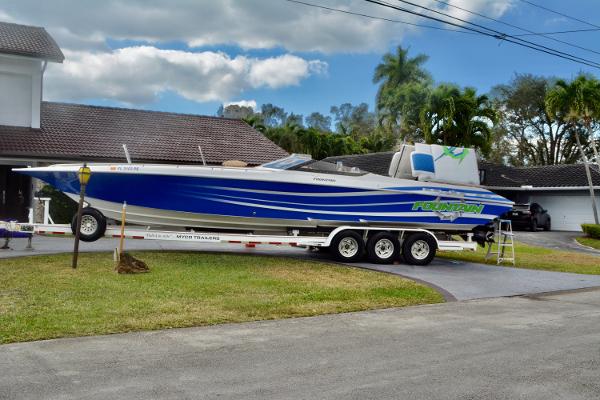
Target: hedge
[
  {"x": 591, "y": 230},
  {"x": 62, "y": 207}
]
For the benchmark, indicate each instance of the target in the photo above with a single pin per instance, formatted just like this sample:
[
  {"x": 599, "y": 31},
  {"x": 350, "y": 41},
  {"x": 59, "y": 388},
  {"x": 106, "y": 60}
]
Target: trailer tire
[
  {"x": 348, "y": 246},
  {"x": 419, "y": 248},
  {"x": 93, "y": 225},
  {"x": 383, "y": 248}
]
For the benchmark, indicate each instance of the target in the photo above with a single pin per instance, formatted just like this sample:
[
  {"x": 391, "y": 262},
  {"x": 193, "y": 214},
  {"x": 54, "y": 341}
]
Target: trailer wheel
[
  {"x": 348, "y": 246},
  {"x": 93, "y": 225},
  {"x": 419, "y": 249},
  {"x": 383, "y": 248}
]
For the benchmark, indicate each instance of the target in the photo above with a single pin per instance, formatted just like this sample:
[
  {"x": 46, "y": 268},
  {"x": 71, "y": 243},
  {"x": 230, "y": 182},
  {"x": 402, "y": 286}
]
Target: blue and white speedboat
[{"x": 292, "y": 193}]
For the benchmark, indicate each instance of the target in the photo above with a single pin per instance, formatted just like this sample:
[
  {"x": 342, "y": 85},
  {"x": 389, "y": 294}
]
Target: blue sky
[
  {"x": 330, "y": 61},
  {"x": 467, "y": 60}
]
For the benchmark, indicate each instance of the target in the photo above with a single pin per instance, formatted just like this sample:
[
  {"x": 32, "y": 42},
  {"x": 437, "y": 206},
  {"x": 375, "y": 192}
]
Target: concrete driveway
[
  {"x": 555, "y": 240},
  {"x": 455, "y": 280},
  {"x": 507, "y": 348}
]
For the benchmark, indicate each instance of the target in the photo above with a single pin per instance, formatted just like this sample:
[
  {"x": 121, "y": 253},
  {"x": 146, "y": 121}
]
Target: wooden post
[{"x": 122, "y": 239}]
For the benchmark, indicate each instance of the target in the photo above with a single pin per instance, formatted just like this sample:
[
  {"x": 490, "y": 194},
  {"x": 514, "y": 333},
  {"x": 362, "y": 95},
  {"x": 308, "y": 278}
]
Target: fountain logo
[
  {"x": 448, "y": 207},
  {"x": 455, "y": 153}
]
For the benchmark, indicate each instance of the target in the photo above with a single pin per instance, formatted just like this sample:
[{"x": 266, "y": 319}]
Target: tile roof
[
  {"x": 495, "y": 175},
  {"x": 555, "y": 176},
  {"x": 376, "y": 163},
  {"x": 29, "y": 41},
  {"x": 82, "y": 132}
]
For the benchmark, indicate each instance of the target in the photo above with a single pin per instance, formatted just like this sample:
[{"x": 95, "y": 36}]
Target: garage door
[{"x": 568, "y": 212}]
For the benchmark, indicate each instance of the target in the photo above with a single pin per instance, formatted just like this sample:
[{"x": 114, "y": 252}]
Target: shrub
[
  {"x": 62, "y": 208},
  {"x": 591, "y": 230}
]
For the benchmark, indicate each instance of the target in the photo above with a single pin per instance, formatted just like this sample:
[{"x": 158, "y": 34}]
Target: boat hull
[{"x": 259, "y": 199}]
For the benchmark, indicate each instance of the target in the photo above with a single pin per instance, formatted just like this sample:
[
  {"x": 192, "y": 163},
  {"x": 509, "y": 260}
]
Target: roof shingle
[
  {"x": 545, "y": 176},
  {"x": 82, "y": 132},
  {"x": 29, "y": 41}
]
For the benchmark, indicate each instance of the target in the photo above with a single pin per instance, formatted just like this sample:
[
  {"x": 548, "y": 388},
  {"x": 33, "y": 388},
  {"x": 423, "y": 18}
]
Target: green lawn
[
  {"x": 533, "y": 257},
  {"x": 590, "y": 242},
  {"x": 41, "y": 297}
]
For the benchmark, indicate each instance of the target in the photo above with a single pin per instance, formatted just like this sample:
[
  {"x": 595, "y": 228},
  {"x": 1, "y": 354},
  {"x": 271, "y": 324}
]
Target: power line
[
  {"x": 559, "y": 32},
  {"x": 560, "y": 13},
  {"x": 378, "y": 18},
  {"x": 501, "y": 33},
  {"x": 491, "y": 33},
  {"x": 530, "y": 32}
]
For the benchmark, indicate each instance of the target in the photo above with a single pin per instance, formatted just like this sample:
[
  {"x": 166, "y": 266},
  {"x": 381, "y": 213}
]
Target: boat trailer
[{"x": 348, "y": 243}]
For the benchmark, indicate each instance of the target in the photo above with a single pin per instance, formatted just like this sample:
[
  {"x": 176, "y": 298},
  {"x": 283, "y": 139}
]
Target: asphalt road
[{"x": 506, "y": 348}]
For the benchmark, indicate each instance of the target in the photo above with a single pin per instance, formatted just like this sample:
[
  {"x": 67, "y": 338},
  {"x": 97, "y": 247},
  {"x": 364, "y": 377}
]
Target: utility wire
[
  {"x": 490, "y": 33},
  {"x": 530, "y": 32},
  {"x": 378, "y": 18},
  {"x": 498, "y": 32},
  {"x": 559, "y": 32},
  {"x": 560, "y": 13}
]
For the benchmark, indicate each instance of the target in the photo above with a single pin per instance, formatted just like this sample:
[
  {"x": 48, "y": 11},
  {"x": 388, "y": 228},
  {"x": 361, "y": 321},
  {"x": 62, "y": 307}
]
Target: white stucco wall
[{"x": 20, "y": 91}]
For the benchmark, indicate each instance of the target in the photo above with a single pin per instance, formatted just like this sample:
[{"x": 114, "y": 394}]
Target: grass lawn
[
  {"x": 533, "y": 257},
  {"x": 590, "y": 242},
  {"x": 41, "y": 297}
]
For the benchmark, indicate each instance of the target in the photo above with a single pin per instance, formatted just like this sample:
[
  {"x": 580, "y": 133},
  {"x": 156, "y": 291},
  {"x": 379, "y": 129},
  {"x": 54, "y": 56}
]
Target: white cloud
[
  {"x": 250, "y": 24},
  {"x": 242, "y": 103},
  {"x": 138, "y": 75}
]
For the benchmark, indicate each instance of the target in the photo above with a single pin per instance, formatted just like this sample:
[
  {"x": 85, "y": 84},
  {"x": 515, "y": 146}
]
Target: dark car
[{"x": 529, "y": 216}]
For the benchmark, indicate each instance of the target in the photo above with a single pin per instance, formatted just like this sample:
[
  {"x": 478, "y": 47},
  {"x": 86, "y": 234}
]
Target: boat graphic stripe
[
  {"x": 395, "y": 191},
  {"x": 304, "y": 210}
]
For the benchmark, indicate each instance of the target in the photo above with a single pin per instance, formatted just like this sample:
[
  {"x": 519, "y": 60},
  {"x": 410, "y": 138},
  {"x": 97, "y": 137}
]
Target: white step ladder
[{"x": 504, "y": 239}]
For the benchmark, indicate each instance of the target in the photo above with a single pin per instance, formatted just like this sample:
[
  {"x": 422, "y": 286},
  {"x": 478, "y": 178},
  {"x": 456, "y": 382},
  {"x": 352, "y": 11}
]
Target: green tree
[
  {"x": 273, "y": 115},
  {"x": 255, "y": 121},
  {"x": 404, "y": 86},
  {"x": 577, "y": 103},
  {"x": 458, "y": 117},
  {"x": 318, "y": 121},
  {"x": 295, "y": 119},
  {"x": 526, "y": 133},
  {"x": 235, "y": 111},
  {"x": 353, "y": 120}
]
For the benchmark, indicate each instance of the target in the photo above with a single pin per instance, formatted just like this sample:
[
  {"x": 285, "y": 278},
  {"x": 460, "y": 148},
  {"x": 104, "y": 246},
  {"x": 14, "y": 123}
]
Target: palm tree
[
  {"x": 395, "y": 73},
  {"x": 458, "y": 118},
  {"x": 578, "y": 103},
  {"x": 255, "y": 121}
]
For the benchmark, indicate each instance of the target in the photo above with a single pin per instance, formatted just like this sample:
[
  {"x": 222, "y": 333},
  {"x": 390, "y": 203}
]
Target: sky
[{"x": 191, "y": 56}]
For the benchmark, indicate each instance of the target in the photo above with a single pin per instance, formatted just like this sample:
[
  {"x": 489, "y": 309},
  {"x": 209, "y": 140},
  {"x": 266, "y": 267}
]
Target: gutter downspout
[{"x": 44, "y": 65}]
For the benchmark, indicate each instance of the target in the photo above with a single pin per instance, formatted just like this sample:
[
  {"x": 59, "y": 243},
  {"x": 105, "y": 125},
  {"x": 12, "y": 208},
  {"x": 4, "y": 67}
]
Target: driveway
[
  {"x": 555, "y": 240},
  {"x": 456, "y": 280},
  {"x": 507, "y": 348}
]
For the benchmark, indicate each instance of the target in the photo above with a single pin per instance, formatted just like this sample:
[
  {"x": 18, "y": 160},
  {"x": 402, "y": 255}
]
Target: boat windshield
[
  {"x": 325, "y": 167},
  {"x": 304, "y": 163},
  {"x": 289, "y": 162}
]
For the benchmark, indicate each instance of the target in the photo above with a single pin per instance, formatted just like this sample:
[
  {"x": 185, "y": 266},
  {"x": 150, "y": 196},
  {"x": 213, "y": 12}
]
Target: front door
[{"x": 15, "y": 191}]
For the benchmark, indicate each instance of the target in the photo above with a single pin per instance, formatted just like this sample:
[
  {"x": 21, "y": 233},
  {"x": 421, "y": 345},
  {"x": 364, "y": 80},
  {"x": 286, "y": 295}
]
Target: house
[
  {"x": 561, "y": 189},
  {"x": 36, "y": 132}
]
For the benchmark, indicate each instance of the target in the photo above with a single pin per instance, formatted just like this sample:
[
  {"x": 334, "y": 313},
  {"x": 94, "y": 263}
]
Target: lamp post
[{"x": 84, "y": 174}]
